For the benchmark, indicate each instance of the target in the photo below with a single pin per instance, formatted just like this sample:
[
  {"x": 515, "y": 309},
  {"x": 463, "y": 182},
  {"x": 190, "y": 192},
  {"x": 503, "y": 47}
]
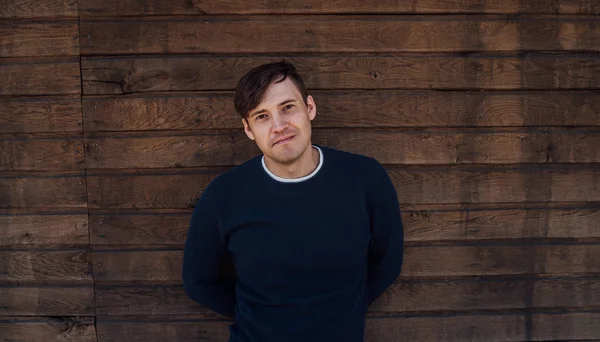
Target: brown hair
[{"x": 253, "y": 85}]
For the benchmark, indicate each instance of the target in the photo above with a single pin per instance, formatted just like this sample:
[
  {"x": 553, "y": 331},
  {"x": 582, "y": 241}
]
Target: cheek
[
  {"x": 304, "y": 125},
  {"x": 261, "y": 136}
]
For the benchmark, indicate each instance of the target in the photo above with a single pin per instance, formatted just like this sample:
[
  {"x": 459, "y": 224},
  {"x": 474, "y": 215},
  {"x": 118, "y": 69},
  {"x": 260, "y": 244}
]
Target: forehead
[{"x": 279, "y": 91}]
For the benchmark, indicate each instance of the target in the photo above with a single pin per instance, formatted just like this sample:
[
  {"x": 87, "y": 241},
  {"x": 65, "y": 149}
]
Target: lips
[{"x": 284, "y": 140}]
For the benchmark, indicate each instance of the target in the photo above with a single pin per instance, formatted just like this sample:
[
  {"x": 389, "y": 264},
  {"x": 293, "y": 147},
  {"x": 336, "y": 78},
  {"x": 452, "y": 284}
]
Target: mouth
[{"x": 284, "y": 140}]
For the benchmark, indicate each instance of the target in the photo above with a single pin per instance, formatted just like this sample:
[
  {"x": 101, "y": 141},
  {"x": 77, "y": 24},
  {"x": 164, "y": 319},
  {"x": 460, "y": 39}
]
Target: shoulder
[
  {"x": 352, "y": 161},
  {"x": 235, "y": 177}
]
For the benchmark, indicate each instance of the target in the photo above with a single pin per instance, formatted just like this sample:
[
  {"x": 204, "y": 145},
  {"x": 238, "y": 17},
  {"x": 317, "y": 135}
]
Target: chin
[
  {"x": 285, "y": 154},
  {"x": 286, "y": 157}
]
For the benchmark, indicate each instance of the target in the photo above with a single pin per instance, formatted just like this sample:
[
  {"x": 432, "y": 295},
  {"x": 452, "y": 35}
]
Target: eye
[
  {"x": 288, "y": 107},
  {"x": 260, "y": 116}
]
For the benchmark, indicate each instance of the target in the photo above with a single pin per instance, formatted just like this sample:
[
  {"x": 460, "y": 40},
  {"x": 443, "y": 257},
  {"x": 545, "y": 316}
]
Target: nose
[{"x": 279, "y": 123}]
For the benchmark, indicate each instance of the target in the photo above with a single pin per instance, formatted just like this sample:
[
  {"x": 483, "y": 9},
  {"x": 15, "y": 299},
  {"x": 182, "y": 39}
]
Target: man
[{"x": 314, "y": 233}]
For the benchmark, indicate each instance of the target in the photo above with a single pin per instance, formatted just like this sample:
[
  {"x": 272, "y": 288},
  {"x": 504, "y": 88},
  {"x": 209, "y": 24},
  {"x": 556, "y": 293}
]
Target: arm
[
  {"x": 204, "y": 279},
  {"x": 386, "y": 251}
]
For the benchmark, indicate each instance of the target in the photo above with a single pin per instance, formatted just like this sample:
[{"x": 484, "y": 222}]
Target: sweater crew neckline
[{"x": 299, "y": 179}]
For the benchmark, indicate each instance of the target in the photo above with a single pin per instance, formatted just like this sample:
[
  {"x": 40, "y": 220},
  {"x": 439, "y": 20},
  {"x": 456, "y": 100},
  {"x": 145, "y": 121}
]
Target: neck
[{"x": 303, "y": 166}]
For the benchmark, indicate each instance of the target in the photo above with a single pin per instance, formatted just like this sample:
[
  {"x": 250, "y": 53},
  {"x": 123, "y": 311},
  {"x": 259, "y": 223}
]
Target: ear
[
  {"x": 312, "y": 107},
  {"x": 247, "y": 129}
]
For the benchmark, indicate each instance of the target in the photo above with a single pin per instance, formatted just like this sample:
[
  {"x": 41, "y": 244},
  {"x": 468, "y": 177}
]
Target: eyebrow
[{"x": 264, "y": 110}]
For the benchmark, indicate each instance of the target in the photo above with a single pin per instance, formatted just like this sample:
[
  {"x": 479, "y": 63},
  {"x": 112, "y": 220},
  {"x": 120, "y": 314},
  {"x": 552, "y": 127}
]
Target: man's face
[{"x": 280, "y": 124}]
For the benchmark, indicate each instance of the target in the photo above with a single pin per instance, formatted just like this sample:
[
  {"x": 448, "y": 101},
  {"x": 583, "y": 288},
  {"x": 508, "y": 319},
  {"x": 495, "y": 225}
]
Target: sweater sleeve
[
  {"x": 386, "y": 251},
  {"x": 204, "y": 277}
]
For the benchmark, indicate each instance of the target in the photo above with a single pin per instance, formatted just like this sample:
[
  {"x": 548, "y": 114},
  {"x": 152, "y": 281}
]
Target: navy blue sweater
[{"x": 309, "y": 256}]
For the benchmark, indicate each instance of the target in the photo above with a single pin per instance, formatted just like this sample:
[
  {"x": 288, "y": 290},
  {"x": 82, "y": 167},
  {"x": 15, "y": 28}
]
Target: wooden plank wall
[
  {"x": 46, "y": 283},
  {"x": 115, "y": 114}
]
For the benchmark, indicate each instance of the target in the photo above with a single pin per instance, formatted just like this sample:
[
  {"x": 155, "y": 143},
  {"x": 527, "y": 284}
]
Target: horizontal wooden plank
[
  {"x": 38, "y": 8},
  {"x": 426, "y": 328},
  {"x": 47, "y": 264},
  {"x": 182, "y": 7},
  {"x": 580, "y": 326},
  {"x": 447, "y": 328},
  {"x": 184, "y": 73},
  {"x": 182, "y": 149},
  {"x": 501, "y": 224},
  {"x": 501, "y": 260},
  {"x": 43, "y": 189},
  {"x": 148, "y": 300},
  {"x": 180, "y": 188},
  {"x": 47, "y": 301},
  {"x": 37, "y": 152},
  {"x": 495, "y": 184},
  {"x": 400, "y": 297},
  {"x": 37, "y": 39},
  {"x": 337, "y": 34},
  {"x": 351, "y": 109},
  {"x": 145, "y": 183},
  {"x": 448, "y": 147},
  {"x": 488, "y": 294},
  {"x": 207, "y": 149},
  {"x": 115, "y": 330},
  {"x": 40, "y": 115},
  {"x": 169, "y": 227},
  {"x": 36, "y": 228},
  {"x": 566, "y": 293},
  {"x": 40, "y": 76},
  {"x": 148, "y": 229},
  {"x": 425, "y": 261},
  {"x": 137, "y": 265},
  {"x": 41, "y": 329}
]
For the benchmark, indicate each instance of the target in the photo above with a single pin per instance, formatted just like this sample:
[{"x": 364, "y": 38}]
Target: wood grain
[
  {"x": 420, "y": 261},
  {"x": 160, "y": 112},
  {"x": 145, "y": 228},
  {"x": 566, "y": 293},
  {"x": 448, "y": 328},
  {"x": 38, "y": 8},
  {"x": 170, "y": 226},
  {"x": 467, "y": 146},
  {"x": 48, "y": 329},
  {"x": 124, "y": 265},
  {"x": 355, "y": 109},
  {"x": 147, "y": 300},
  {"x": 117, "y": 330},
  {"x": 157, "y": 150},
  {"x": 49, "y": 76},
  {"x": 40, "y": 115},
  {"x": 582, "y": 326},
  {"x": 420, "y": 328},
  {"x": 37, "y": 39},
  {"x": 45, "y": 265},
  {"x": 49, "y": 227},
  {"x": 179, "y": 73},
  {"x": 336, "y": 34},
  {"x": 182, "y": 7},
  {"x": 496, "y": 260},
  {"x": 530, "y": 223},
  {"x": 42, "y": 189},
  {"x": 36, "y": 152},
  {"x": 180, "y": 188},
  {"x": 47, "y": 301},
  {"x": 453, "y": 184},
  {"x": 167, "y": 188},
  {"x": 402, "y": 297},
  {"x": 488, "y": 294},
  {"x": 182, "y": 149}
]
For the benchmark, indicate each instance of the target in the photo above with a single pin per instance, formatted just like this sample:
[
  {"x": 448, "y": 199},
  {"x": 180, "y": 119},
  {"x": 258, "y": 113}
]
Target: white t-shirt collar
[{"x": 294, "y": 180}]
